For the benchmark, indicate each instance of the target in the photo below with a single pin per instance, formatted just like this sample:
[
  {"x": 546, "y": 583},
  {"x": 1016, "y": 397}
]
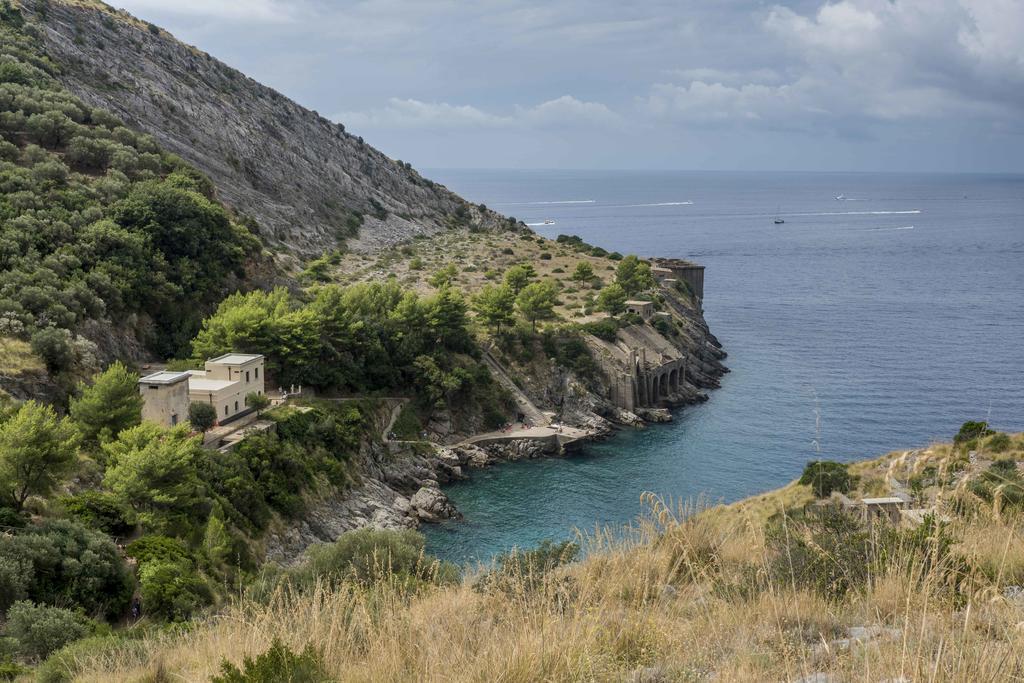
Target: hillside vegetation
[
  {"x": 771, "y": 588},
  {"x": 99, "y": 226},
  {"x": 309, "y": 185}
]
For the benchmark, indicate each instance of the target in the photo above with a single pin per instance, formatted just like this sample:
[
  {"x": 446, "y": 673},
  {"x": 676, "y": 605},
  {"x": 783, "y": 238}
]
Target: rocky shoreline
[
  {"x": 402, "y": 485},
  {"x": 401, "y": 481}
]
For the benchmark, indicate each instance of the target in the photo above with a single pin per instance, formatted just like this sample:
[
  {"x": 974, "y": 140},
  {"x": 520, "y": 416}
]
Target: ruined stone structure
[
  {"x": 686, "y": 271},
  {"x": 643, "y": 369},
  {"x": 644, "y": 309}
]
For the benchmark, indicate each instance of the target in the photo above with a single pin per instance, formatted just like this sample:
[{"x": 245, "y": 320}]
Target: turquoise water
[{"x": 859, "y": 326}]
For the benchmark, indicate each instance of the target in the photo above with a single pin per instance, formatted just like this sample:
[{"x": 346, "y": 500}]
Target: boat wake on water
[
  {"x": 659, "y": 204},
  {"x": 563, "y": 201},
  {"x": 856, "y": 213},
  {"x": 903, "y": 227}
]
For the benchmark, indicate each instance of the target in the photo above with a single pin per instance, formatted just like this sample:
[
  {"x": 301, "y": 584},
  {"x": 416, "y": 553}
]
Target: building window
[
  {"x": 225, "y": 410},
  {"x": 174, "y": 420},
  {"x": 257, "y": 371},
  {"x": 236, "y": 406},
  {"x": 246, "y": 376}
]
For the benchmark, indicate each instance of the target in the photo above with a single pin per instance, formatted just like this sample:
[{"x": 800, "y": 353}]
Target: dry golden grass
[
  {"x": 16, "y": 357},
  {"x": 669, "y": 600}
]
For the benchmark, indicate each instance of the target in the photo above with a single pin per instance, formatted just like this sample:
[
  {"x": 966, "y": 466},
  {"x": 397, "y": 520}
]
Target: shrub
[
  {"x": 202, "y": 416},
  {"x": 526, "y": 569},
  {"x": 545, "y": 256},
  {"x": 158, "y": 549},
  {"x": 39, "y": 630},
  {"x": 53, "y": 345},
  {"x": 606, "y": 328},
  {"x": 972, "y": 430},
  {"x": 100, "y": 510},
  {"x": 172, "y": 590},
  {"x": 999, "y": 443},
  {"x": 61, "y": 562},
  {"x": 825, "y": 476},
  {"x": 370, "y": 555},
  {"x": 277, "y": 665}
]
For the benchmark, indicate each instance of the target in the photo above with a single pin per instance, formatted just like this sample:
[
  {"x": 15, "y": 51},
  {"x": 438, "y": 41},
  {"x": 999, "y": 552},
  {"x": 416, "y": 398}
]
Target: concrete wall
[{"x": 165, "y": 404}]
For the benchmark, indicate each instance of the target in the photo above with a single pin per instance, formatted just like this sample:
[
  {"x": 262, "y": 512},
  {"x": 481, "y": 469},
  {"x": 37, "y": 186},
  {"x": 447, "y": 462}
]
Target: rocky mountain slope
[{"x": 307, "y": 183}]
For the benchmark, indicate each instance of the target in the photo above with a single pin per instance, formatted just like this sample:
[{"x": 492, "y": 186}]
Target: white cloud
[
  {"x": 262, "y": 11},
  {"x": 411, "y": 113},
  {"x": 867, "y": 60}
]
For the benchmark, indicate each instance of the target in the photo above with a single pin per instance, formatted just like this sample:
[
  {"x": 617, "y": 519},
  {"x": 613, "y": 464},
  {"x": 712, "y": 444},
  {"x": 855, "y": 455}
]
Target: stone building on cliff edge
[{"x": 224, "y": 384}]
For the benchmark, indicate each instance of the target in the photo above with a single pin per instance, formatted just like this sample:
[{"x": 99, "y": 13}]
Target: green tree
[
  {"x": 202, "y": 416},
  {"x": 826, "y": 476},
  {"x": 153, "y": 470},
  {"x": 518, "y": 276},
  {"x": 258, "y": 402},
  {"x": 37, "y": 451},
  {"x": 634, "y": 275},
  {"x": 109, "y": 406},
  {"x": 495, "y": 306},
  {"x": 584, "y": 272},
  {"x": 60, "y": 562},
  {"x": 53, "y": 345},
  {"x": 612, "y": 299},
  {"x": 39, "y": 630},
  {"x": 444, "y": 276},
  {"x": 537, "y": 301},
  {"x": 972, "y": 430}
]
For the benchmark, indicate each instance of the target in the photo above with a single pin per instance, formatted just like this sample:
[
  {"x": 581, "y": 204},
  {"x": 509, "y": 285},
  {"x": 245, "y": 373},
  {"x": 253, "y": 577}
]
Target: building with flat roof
[
  {"x": 644, "y": 309},
  {"x": 165, "y": 397},
  {"x": 224, "y": 383}
]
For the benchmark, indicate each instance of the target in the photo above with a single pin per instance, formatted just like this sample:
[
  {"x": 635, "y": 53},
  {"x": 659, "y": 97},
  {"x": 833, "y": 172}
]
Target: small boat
[
  {"x": 548, "y": 221},
  {"x": 778, "y": 221},
  {"x": 840, "y": 197}
]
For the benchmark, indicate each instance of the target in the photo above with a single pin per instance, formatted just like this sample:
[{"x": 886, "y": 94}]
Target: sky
[{"x": 855, "y": 85}]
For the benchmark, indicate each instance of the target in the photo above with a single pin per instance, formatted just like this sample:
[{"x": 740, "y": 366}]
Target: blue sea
[{"x": 861, "y": 325}]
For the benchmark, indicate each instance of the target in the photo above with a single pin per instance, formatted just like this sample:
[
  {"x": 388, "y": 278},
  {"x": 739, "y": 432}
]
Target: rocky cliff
[{"x": 307, "y": 183}]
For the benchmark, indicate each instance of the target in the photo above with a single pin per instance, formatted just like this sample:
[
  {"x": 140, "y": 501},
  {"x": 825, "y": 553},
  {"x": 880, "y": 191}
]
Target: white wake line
[
  {"x": 905, "y": 227},
  {"x": 564, "y": 201},
  {"x": 536, "y": 224},
  {"x": 854, "y": 213},
  {"x": 630, "y": 206}
]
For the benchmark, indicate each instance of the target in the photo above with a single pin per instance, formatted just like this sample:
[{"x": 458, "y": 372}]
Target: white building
[{"x": 224, "y": 384}]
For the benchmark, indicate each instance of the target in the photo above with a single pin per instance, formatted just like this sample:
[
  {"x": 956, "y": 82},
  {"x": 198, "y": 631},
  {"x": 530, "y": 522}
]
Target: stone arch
[
  {"x": 673, "y": 379},
  {"x": 662, "y": 385}
]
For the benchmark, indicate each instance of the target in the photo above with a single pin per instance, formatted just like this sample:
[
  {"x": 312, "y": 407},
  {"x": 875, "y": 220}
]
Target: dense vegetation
[
  {"x": 96, "y": 221},
  {"x": 188, "y": 519},
  {"x": 363, "y": 338}
]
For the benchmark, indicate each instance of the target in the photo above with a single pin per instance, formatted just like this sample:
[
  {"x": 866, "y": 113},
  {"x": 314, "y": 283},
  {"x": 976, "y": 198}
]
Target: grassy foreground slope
[{"x": 764, "y": 589}]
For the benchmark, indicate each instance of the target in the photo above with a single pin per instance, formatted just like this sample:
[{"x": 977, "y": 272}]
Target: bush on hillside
[
  {"x": 365, "y": 556},
  {"x": 60, "y": 562},
  {"x": 40, "y": 630},
  {"x": 172, "y": 591},
  {"x": 277, "y": 665},
  {"x": 826, "y": 476},
  {"x": 999, "y": 443},
  {"x": 526, "y": 569},
  {"x": 100, "y": 510},
  {"x": 971, "y": 430}
]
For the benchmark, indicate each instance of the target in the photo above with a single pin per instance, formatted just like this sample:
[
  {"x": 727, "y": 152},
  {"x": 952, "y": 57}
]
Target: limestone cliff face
[{"x": 306, "y": 182}]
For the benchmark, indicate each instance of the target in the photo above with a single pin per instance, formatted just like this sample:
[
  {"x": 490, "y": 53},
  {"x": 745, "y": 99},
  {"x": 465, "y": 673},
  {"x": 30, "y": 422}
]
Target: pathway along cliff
[{"x": 644, "y": 364}]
